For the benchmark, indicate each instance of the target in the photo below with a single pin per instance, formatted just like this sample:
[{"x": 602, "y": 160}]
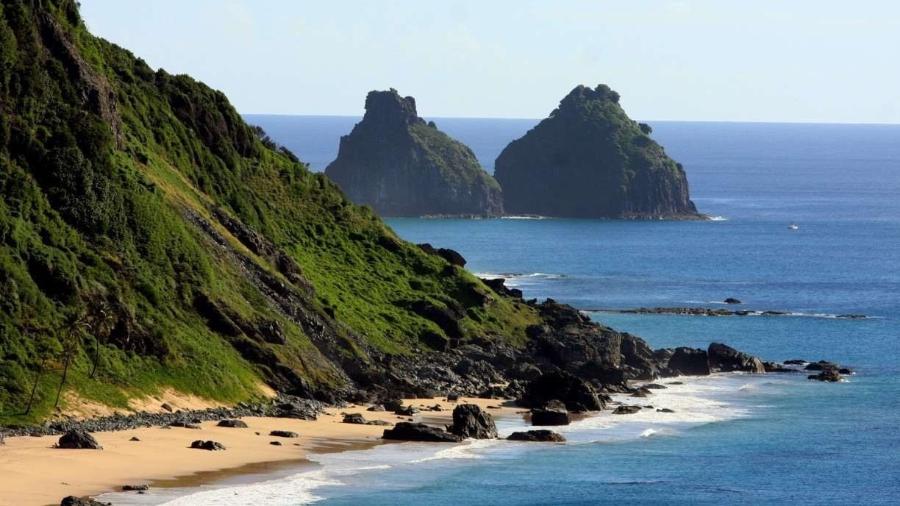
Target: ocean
[{"x": 735, "y": 438}]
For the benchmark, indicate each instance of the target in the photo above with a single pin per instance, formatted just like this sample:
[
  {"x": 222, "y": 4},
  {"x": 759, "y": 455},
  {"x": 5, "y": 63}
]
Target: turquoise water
[{"x": 736, "y": 439}]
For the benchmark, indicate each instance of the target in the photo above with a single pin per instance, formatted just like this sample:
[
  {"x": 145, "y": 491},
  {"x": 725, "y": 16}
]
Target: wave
[
  {"x": 525, "y": 217},
  {"x": 718, "y": 218}
]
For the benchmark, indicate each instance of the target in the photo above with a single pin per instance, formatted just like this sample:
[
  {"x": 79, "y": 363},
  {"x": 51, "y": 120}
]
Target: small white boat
[{"x": 793, "y": 226}]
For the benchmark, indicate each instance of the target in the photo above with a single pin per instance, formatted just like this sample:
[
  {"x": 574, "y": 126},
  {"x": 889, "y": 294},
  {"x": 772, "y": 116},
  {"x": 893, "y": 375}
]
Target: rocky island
[
  {"x": 588, "y": 159},
  {"x": 401, "y": 165}
]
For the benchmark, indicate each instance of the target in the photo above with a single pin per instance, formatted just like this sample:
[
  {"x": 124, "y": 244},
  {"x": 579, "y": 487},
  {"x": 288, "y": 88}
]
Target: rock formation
[
  {"x": 402, "y": 166},
  {"x": 590, "y": 160}
]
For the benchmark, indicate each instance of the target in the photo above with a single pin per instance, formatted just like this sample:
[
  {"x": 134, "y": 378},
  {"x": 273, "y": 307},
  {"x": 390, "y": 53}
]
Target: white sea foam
[
  {"x": 718, "y": 218},
  {"x": 525, "y": 217}
]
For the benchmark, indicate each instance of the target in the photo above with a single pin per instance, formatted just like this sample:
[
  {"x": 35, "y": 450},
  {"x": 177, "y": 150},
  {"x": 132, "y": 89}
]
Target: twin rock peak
[{"x": 587, "y": 159}]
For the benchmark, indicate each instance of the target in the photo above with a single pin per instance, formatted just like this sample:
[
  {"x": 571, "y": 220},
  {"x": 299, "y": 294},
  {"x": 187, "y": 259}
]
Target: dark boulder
[
  {"x": 275, "y": 443},
  {"x": 726, "y": 359},
  {"x": 689, "y": 362},
  {"x": 575, "y": 393},
  {"x": 732, "y": 300},
  {"x": 406, "y": 411},
  {"x": 233, "y": 423},
  {"x": 626, "y": 410},
  {"x": 821, "y": 365},
  {"x": 135, "y": 488},
  {"x": 207, "y": 445},
  {"x": 354, "y": 418},
  {"x": 82, "y": 501},
  {"x": 452, "y": 257},
  {"x": 78, "y": 439},
  {"x": 540, "y": 435},
  {"x": 829, "y": 375},
  {"x": 283, "y": 433},
  {"x": 665, "y": 410},
  {"x": 409, "y": 431},
  {"x": 553, "y": 413},
  {"x": 470, "y": 421}
]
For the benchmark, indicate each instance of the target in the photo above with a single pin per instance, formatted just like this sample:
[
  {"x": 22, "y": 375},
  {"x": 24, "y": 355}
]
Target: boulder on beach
[
  {"x": 79, "y": 440},
  {"x": 470, "y": 421},
  {"x": 207, "y": 445},
  {"x": 409, "y": 431},
  {"x": 81, "y": 501},
  {"x": 283, "y": 433},
  {"x": 135, "y": 488},
  {"x": 236, "y": 424},
  {"x": 540, "y": 435},
  {"x": 354, "y": 418}
]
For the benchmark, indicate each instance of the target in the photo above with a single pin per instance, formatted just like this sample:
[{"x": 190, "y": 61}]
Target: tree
[
  {"x": 100, "y": 322},
  {"x": 33, "y": 331},
  {"x": 73, "y": 334}
]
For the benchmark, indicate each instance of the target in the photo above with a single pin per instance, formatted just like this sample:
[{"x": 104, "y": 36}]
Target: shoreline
[
  {"x": 32, "y": 472},
  {"x": 696, "y": 401}
]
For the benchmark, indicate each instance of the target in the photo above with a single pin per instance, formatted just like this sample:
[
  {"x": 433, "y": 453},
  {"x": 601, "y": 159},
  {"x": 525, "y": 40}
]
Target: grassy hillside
[{"x": 150, "y": 239}]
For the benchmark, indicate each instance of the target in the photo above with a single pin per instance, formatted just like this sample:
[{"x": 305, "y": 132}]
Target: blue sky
[{"x": 762, "y": 60}]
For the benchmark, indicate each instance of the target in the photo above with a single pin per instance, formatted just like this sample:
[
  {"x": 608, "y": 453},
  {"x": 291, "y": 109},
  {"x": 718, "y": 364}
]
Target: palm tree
[
  {"x": 101, "y": 321},
  {"x": 31, "y": 331},
  {"x": 73, "y": 333}
]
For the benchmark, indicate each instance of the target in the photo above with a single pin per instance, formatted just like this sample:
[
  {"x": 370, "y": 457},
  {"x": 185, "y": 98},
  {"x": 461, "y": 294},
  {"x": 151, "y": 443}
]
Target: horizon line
[{"x": 760, "y": 122}]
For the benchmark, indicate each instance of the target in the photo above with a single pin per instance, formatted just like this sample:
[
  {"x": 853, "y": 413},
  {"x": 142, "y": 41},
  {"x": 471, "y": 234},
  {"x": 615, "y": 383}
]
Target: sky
[{"x": 690, "y": 60}]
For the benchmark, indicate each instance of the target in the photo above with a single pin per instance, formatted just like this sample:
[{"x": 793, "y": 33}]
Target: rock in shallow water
[
  {"x": 541, "y": 435},
  {"x": 626, "y": 410}
]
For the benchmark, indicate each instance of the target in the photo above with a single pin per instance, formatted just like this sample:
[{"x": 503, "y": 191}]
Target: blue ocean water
[{"x": 736, "y": 439}]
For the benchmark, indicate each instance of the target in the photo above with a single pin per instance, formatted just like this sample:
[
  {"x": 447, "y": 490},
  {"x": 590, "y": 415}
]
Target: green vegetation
[
  {"x": 588, "y": 159},
  {"x": 402, "y": 166},
  {"x": 116, "y": 180}
]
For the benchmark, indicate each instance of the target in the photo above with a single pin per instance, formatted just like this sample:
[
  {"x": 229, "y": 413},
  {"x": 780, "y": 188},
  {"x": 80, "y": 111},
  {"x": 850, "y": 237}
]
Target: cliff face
[
  {"x": 402, "y": 166},
  {"x": 589, "y": 160}
]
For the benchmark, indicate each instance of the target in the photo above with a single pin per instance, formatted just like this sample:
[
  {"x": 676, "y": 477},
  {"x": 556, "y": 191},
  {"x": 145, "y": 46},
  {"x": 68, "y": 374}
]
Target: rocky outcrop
[
  {"x": 588, "y": 159},
  {"x": 726, "y": 359},
  {"x": 540, "y": 435},
  {"x": 688, "y": 362},
  {"x": 575, "y": 393},
  {"x": 470, "y": 421},
  {"x": 81, "y": 501},
  {"x": 409, "y": 431},
  {"x": 402, "y": 166}
]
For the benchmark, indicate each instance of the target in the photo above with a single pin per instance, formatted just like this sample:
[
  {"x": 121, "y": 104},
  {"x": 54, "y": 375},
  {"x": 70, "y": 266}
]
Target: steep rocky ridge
[{"x": 402, "y": 166}]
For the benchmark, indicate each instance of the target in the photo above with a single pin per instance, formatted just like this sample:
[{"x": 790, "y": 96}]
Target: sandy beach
[{"x": 32, "y": 472}]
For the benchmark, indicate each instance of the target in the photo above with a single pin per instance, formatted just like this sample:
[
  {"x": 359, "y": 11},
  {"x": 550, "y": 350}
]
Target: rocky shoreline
[{"x": 704, "y": 311}]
